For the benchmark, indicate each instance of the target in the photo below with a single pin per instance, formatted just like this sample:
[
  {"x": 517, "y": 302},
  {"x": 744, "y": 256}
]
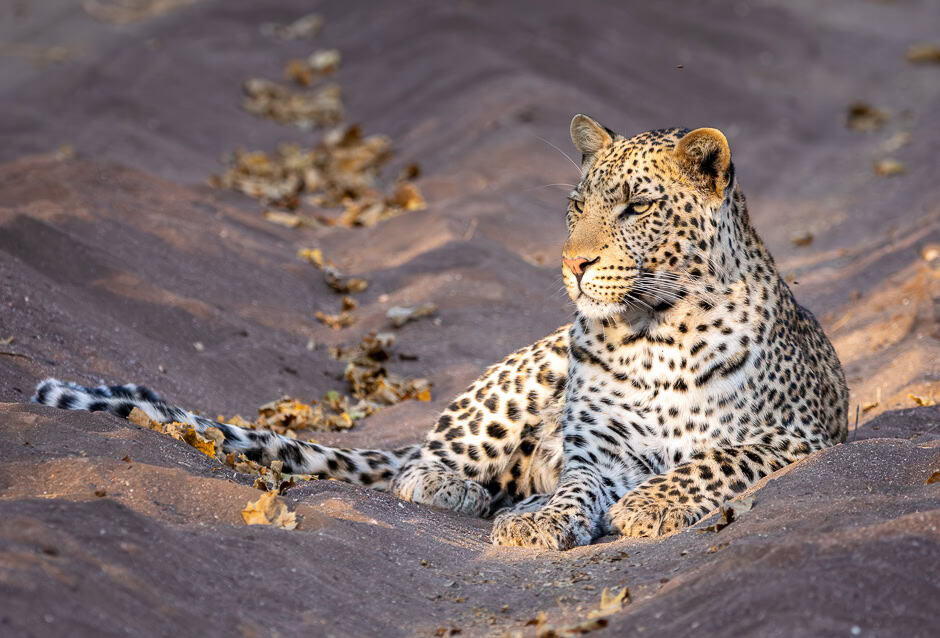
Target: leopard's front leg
[
  {"x": 593, "y": 477},
  {"x": 671, "y": 502},
  {"x": 571, "y": 518}
]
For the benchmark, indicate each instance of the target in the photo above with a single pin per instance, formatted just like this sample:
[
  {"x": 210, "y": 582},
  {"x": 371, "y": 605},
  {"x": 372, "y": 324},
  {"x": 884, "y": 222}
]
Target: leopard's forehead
[{"x": 633, "y": 164}]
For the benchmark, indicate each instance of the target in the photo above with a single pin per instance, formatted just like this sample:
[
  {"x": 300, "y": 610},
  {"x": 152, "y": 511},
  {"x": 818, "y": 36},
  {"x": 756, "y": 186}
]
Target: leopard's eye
[
  {"x": 577, "y": 201},
  {"x": 635, "y": 208}
]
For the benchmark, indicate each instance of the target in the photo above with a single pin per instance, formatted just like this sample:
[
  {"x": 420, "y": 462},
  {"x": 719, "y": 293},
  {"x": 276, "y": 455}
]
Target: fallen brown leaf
[
  {"x": 864, "y": 117},
  {"x": 804, "y": 238},
  {"x": 888, "y": 167},
  {"x": 201, "y": 443},
  {"x": 338, "y": 321},
  {"x": 269, "y": 509},
  {"x": 921, "y": 401},
  {"x": 924, "y": 54},
  {"x": 323, "y": 107},
  {"x": 730, "y": 512},
  {"x": 291, "y": 220},
  {"x": 400, "y": 315},
  {"x": 610, "y": 603},
  {"x": 139, "y": 417}
]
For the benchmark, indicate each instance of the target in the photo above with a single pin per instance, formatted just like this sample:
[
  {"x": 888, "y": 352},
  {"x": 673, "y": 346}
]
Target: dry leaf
[
  {"x": 921, "y": 401},
  {"x": 924, "y": 54},
  {"x": 888, "y": 166},
  {"x": 573, "y": 630},
  {"x": 313, "y": 255},
  {"x": 343, "y": 285},
  {"x": 611, "y": 603},
  {"x": 324, "y": 61},
  {"x": 400, "y": 315},
  {"x": 323, "y": 107},
  {"x": 934, "y": 478},
  {"x": 307, "y": 71},
  {"x": 804, "y": 238},
  {"x": 7, "y": 341},
  {"x": 269, "y": 509},
  {"x": 284, "y": 219},
  {"x": 333, "y": 277},
  {"x": 865, "y": 117},
  {"x": 299, "y": 72},
  {"x": 338, "y": 321},
  {"x": 342, "y": 171},
  {"x": 540, "y": 619},
  {"x": 870, "y": 405},
  {"x": 408, "y": 197},
  {"x": 730, "y": 512},
  {"x": 895, "y": 142},
  {"x": 139, "y": 417},
  {"x": 199, "y": 442}
]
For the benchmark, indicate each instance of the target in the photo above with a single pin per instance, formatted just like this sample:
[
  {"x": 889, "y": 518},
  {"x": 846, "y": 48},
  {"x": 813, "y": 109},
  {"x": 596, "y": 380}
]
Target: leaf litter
[
  {"x": 610, "y": 603},
  {"x": 369, "y": 379},
  {"x": 307, "y": 71},
  {"x": 400, "y": 315},
  {"x": 331, "y": 274},
  {"x": 269, "y": 509},
  {"x": 371, "y": 386},
  {"x": 861, "y": 116},
  {"x": 924, "y": 54},
  {"x": 341, "y": 171},
  {"x": 730, "y": 512},
  {"x": 306, "y": 109},
  {"x": 889, "y": 166},
  {"x": 343, "y": 319}
]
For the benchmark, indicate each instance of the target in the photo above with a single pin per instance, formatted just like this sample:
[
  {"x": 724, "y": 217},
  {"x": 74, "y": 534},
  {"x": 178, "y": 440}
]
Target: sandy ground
[{"x": 115, "y": 262}]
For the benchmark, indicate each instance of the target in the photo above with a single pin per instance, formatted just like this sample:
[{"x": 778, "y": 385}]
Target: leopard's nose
[{"x": 578, "y": 264}]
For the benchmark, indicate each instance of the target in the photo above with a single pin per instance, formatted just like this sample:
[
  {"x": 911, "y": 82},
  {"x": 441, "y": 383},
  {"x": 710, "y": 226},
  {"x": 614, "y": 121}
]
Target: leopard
[{"x": 688, "y": 373}]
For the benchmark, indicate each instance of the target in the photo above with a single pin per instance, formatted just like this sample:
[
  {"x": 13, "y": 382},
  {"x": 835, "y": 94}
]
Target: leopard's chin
[{"x": 597, "y": 310}]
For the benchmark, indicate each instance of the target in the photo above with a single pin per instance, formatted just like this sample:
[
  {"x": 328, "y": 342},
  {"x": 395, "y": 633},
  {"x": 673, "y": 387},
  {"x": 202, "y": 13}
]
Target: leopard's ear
[
  {"x": 704, "y": 155},
  {"x": 588, "y": 136}
]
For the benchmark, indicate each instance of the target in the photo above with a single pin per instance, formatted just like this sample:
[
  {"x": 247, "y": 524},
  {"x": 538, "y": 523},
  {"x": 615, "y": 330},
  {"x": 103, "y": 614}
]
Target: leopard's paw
[
  {"x": 444, "y": 490},
  {"x": 644, "y": 516},
  {"x": 462, "y": 496},
  {"x": 546, "y": 528}
]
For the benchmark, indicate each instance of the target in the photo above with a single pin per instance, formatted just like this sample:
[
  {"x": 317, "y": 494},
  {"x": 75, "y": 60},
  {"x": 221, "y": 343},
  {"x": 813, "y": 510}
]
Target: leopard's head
[{"x": 644, "y": 221}]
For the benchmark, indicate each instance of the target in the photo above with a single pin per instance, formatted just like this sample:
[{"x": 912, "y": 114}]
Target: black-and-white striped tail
[{"x": 371, "y": 468}]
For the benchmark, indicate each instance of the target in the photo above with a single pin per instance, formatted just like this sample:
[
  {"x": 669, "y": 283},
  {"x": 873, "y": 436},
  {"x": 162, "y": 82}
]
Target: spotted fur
[{"x": 689, "y": 373}]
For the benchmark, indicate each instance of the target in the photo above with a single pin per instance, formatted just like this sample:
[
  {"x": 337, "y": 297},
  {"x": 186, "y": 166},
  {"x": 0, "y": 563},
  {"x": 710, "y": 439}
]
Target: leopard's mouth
[{"x": 598, "y": 309}]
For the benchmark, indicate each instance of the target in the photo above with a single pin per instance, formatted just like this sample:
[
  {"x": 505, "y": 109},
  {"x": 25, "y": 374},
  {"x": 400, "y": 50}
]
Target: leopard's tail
[{"x": 372, "y": 468}]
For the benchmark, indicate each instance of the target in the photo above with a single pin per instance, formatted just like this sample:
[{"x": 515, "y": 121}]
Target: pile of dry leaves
[
  {"x": 270, "y": 508},
  {"x": 371, "y": 386},
  {"x": 342, "y": 171},
  {"x": 368, "y": 378}
]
